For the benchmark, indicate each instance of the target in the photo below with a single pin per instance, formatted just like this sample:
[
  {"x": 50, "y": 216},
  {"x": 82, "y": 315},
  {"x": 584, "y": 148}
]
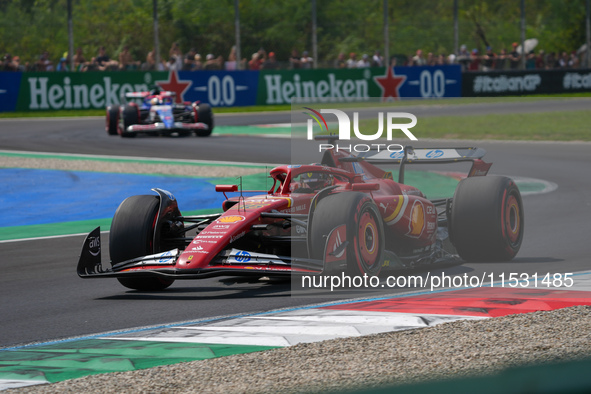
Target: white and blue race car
[{"x": 155, "y": 112}]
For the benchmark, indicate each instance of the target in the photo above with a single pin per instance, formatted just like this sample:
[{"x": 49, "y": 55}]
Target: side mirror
[{"x": 226, "y": 189}]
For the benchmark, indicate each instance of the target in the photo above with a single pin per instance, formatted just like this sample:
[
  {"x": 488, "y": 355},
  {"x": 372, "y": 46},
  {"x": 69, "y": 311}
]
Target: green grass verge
[
  {"x": 53, "y": 114},
  {"x": 539, "y": 126}
]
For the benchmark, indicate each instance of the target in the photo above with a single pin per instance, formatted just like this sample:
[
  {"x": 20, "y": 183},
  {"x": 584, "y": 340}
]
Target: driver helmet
[
  {"x": 155, "y": 101},
  {"x": 155, "y": 90},
  {"x": 315, "y": 180}
]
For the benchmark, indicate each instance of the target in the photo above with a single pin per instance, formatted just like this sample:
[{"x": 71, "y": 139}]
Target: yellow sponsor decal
[
  {"x": 289, "y": 200},
  {"x": 396, "y": 210},
  {"x": 417, "y": 219},
  {"x": 231, "y": 219},
  {"x": 253, "y": 205}
]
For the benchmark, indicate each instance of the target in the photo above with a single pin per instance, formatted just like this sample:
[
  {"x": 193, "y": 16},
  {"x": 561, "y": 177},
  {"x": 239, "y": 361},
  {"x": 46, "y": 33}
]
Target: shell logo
[
  {"x": 231, "y": 219},
  {"x": 417, "y": 220}
]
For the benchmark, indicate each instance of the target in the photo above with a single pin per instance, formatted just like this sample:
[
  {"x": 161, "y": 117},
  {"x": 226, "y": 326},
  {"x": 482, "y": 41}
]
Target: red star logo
[
  {"x": 175, "y": 85},
  {"x": 390, "y": 83}
]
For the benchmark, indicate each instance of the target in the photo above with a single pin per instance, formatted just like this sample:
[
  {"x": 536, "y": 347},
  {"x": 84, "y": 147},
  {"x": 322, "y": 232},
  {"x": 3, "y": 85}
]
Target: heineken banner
[
  {"x": 54, "y": 90},
  {"x": 278, "y": 87},
  {"x": 518, "y": 83},
  {"x": 96, "y": 90}
]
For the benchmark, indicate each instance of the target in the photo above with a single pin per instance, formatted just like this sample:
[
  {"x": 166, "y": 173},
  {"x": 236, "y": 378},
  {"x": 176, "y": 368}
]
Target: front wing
[
  {"x": 160, "y": 126},
  {"x": 230, "y": 262}
]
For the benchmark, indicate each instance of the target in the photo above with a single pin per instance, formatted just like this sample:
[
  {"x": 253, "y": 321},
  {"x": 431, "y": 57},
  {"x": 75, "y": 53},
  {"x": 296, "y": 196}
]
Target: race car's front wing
[
  {"x": 160, "y": 126},
  {"x": 227, "y": 263}
]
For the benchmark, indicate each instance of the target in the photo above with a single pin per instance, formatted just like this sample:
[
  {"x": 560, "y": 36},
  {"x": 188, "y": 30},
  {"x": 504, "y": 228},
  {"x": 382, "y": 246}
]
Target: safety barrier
[{"x": 95, "y": 90}]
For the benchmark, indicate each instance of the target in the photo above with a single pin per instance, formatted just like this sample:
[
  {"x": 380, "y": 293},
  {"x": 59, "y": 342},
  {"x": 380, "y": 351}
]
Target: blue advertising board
[
  {"x": 221, "y": 88},
  {"x": 430, "y": 81},
  {"x": 52, "y": 91},
  {"x": 10, "y": 83}
]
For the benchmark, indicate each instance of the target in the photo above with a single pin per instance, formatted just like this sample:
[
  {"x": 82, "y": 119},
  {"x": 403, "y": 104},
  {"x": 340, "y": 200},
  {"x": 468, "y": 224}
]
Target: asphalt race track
[
  {"x": 87, "y": 135},
  {"x": 43, "y": 299}
]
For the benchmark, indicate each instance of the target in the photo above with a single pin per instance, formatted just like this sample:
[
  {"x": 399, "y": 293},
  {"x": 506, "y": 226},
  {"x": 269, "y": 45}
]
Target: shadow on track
[{"x": 230, "y": 288}]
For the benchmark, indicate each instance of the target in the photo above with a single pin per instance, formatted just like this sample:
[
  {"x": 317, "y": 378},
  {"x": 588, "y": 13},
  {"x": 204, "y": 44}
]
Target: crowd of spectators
[
  {"x": 365, "y": 61},
  {"x": 503, "y": 60},
  {"x": 261, "y": 60}
]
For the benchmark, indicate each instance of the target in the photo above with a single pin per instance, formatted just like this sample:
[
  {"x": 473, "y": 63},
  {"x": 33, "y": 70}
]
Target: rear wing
[
  {"x": 410, "y": 155},
  {"x": 423, "y": 155}
]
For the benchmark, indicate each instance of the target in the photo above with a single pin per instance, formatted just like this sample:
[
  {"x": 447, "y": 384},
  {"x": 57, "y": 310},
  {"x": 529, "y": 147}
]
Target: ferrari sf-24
[{"x": 345, "y": 214}]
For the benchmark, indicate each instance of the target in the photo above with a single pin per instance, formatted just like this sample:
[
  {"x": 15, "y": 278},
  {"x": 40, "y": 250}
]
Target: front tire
[
  {"x": 204, "y": 115},
  {"x": 131, "y": 116},
  {"x": 112, "y": 120},
  {"x": 132, "y": 235},
  {"x": 487, "y": 219},
  {"x": 365, "y": 230}
]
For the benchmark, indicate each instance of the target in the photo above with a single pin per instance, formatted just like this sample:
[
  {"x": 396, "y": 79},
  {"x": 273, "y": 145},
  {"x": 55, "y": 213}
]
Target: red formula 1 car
[
  {"x": 157, "y": 113},
  {"x": 344, "y": 214}
]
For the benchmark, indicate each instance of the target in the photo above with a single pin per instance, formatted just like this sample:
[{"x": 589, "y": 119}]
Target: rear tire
[
  {"x": 130, "y": 117},
  {"x": 365, "y": 230},
  {"x": 487, "y": 219},
  {"x": 132, "y": 235},
  {"x": 112, "y": 121},
  {"x": 204, "y": 115}
]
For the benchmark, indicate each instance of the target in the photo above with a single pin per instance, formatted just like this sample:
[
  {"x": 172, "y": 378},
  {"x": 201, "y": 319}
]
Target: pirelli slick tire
[
  {"x": 132, "y": 235},
  {"x": 365, "y": 230},
  {"x": 204, "y": 115},
  {"x": 130, "y": 116},
  {"x": 112, "y": 120},
  {"x": 487, "y": 219}
]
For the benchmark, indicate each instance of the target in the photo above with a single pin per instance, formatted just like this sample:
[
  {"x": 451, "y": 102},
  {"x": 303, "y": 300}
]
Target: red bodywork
[
  {"x": 405, "y": 211},
  {"x": 230, "y": 242}
]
